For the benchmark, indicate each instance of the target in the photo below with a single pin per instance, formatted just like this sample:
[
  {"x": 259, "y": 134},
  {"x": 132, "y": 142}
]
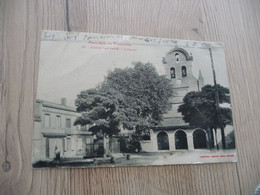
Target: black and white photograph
[{"x": 118, "y": 100}]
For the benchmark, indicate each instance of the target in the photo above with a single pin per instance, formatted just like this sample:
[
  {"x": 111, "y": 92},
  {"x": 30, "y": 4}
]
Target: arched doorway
[
  {"x": 163, "y": 141},
  {"x": 180, "y": 140},
  {"x": 199, "y": 139}
]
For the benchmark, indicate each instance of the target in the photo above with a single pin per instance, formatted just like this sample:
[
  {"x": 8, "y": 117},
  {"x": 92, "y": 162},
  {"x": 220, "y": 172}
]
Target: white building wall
[
  {"x": 152, "y": 145},
  {"x": 190, "y": 140}
]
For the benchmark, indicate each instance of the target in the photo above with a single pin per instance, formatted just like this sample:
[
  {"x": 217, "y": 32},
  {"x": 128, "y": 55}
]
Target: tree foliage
[
  {"x": 132, "y": 98},
  {"x": 144, "y": 90},
  {"x": 99, "y": 109},
  {"x": 199, "y": 108}
]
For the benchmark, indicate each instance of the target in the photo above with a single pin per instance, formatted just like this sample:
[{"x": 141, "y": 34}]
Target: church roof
[
  {"x": 56, "y": 105},
  {"x": 173, "y": 121}
]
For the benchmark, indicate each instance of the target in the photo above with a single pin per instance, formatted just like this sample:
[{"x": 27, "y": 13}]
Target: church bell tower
[{"x": 178, "y": 68}]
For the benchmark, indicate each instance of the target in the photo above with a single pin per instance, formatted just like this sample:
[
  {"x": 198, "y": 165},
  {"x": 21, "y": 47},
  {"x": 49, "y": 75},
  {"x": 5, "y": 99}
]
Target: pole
[
  {"x": 217, "y": 102},
  {"x": 216, "y": 137}
]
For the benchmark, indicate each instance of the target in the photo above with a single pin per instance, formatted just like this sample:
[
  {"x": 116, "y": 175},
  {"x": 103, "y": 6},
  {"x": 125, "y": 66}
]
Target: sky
[{"x": 69, "y": 66}]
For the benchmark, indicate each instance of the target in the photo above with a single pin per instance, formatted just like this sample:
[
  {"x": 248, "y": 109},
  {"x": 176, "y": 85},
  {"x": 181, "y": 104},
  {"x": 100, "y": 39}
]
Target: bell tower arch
[{"x": 178, "y": 68}]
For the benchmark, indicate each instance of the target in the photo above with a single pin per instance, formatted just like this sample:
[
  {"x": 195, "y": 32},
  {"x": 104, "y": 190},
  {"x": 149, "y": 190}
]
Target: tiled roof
[
  {"x": 173, "y": 121},
  {"x": 55, "y": 105}
]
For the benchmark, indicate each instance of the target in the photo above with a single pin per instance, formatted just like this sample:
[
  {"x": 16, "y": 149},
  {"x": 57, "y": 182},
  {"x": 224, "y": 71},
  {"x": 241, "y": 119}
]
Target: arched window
[
  {"x": 172, "y": 71},
  {"x": 183, "y": 71},
  {"x": 199, "y": 139},
  {"x": 180, "y": 140},
  {"x": 163, "y": 141},
  {"x": 177, "y": 57}
]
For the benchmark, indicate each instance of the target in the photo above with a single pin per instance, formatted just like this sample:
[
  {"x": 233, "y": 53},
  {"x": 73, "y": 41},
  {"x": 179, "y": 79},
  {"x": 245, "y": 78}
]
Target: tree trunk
[
  {"x": 216, "y": 137},
  {"x": 105, "y": 146},
  {"x": 223, "y": 138},
  {"x": 212, "y": 139}
]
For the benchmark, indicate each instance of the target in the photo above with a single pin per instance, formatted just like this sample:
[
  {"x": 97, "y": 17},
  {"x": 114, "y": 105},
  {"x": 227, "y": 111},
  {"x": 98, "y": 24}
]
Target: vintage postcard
[{"x": 114, "y": 100}]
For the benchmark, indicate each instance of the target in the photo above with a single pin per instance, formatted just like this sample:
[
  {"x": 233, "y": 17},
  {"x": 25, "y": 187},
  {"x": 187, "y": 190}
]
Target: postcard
[{"x": 114, "y": 100}]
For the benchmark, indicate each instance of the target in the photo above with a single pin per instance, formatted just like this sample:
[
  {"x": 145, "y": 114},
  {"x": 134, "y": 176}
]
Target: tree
[
  {"x": 100, "y": 109},
  {"x": 131, "y": 98},
  {"x": 199, "y": 109},
  {"x": 147, "y": 94}
]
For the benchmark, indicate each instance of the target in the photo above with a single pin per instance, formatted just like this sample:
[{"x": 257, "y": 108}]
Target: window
[
  {"x": 146, "y": 136},
  {"x": 183, "y": 71},
  {"x": 47, "y": 121},
  {"x": 177, "y": 57},
  {"x": 68, "y": 144},
  {"x": 79, "y": 143},
  {"x": 88, "y": 140},
  {"x": 84, "y": 127},
  {"x": 58, "y": 121},
  {"x": 172, "y": 71},
  {"x": 68, "y": 123}
]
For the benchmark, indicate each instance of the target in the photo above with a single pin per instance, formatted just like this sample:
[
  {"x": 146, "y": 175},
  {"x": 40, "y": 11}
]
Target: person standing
[{"x": 57, "y": 153}]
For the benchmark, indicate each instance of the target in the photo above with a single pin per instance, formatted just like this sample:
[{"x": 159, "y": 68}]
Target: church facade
[{"x": 173, "y": 133}]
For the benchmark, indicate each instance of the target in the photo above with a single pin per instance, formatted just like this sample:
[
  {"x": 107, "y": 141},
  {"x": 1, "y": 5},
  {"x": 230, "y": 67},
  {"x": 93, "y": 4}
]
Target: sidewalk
[{"x": 144, "y": 159}]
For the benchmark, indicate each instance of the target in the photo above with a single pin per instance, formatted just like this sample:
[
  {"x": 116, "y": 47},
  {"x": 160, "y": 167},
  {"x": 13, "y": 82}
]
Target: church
[{"x": 173, "y": 133}]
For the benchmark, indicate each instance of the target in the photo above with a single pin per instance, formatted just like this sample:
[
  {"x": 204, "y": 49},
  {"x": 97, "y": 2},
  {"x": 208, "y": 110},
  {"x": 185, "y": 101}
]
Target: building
[
  {"x": 174, "y": 134},
  {"x": 53, "y": 127}
]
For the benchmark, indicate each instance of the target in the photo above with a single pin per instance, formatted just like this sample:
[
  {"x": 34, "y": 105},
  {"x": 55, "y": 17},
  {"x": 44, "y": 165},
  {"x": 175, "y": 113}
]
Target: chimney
[{"x": 64, "y": 101}]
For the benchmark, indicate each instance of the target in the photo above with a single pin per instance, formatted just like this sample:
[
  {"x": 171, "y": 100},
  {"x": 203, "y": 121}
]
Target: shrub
[{"x": 130, "y": 145}]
